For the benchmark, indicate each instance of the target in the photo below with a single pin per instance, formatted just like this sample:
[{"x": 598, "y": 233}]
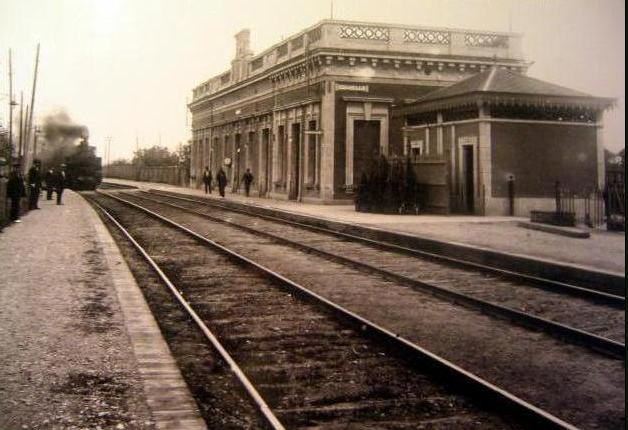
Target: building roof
[{"x": 498, "y": 86}]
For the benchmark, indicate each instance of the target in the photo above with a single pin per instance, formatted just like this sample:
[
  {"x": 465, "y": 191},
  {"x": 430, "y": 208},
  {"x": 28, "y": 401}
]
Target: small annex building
[{"x": 498, "y": 142}]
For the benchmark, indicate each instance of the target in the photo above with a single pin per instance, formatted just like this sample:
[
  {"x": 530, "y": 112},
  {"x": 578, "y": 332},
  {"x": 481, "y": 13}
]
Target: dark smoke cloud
[{"x": 60, "y": 134}]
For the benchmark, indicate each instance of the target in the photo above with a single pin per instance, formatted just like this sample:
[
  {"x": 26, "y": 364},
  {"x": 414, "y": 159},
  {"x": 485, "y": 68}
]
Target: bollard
[{"x": 511, "y": 195}]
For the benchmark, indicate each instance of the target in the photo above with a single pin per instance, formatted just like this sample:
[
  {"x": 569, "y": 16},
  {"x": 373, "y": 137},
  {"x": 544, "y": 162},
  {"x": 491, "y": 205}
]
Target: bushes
[{"x": 387, "y": 187}]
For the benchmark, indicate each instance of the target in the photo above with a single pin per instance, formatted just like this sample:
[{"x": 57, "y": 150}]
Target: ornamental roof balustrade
[{"x": 378, "y": 38}]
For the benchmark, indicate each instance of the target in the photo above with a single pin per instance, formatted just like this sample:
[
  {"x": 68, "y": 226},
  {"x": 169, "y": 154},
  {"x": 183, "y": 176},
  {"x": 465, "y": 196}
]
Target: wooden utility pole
[
  {"x": 108, "y": 150},
  {"x": 21, "y": 129},
  {"x": 10, "y": 109},
  {"x": 30, "y": 116}
]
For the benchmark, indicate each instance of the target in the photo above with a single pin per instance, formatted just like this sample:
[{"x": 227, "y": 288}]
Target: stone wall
[
  {"x": 174, "y": 175},
  {"x": 538, "y": 155}
]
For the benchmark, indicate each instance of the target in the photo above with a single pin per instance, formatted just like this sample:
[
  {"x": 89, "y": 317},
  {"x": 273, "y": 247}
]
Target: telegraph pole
[
  {"x": 21, "y": 129},
  {"x": 24, "y": 144},
  {"x": 11, "y": 104},
  {"x": 32, "y": 109},
  {"x": 108, "y": 150}
]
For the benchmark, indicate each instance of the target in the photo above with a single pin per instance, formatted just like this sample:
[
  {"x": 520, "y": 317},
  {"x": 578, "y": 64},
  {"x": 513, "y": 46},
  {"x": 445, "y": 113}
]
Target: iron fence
[{"x": 593, "y": 207}]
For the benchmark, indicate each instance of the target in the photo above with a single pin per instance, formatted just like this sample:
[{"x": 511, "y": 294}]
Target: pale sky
[{"x": 125, "y": 67}]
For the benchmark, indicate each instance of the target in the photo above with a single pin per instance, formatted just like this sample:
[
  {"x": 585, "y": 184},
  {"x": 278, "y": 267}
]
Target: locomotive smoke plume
[{"x": 61, "y": 134}]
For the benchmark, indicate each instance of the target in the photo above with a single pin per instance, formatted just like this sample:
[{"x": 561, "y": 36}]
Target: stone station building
[{"x": 307, "y": 114}]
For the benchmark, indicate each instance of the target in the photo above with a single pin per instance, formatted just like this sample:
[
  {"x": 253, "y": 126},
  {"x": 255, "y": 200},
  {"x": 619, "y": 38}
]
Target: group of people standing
[
  {"x": 221, "y": 180},
  {"x": 55, "y": 180}
]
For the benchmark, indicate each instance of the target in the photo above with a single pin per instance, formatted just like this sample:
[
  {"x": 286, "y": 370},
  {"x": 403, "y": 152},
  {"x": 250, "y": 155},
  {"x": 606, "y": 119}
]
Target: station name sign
[{"x": 352, "y": 87}]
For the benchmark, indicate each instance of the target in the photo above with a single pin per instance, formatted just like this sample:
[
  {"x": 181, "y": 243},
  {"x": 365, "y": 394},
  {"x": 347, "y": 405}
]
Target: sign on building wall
[
  {"x": 416, "y": 144},
  {"x": 468, "y": 140},
  {"x": 352, "y": 87}
]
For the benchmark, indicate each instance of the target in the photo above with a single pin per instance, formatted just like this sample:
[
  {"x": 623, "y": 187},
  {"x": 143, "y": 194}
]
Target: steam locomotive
[{"x": 83, "y": 167}]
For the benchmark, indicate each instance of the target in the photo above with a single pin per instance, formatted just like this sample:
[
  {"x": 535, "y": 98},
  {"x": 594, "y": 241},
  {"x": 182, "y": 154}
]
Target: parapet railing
[{"x": 390, "y": 37}]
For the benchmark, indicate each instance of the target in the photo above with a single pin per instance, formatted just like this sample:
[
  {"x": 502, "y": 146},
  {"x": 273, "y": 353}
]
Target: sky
[{"x": 125, "y": 68}]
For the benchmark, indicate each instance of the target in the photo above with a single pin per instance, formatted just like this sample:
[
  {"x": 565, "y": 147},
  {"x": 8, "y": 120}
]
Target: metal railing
[{"x": 593, "y": 207}]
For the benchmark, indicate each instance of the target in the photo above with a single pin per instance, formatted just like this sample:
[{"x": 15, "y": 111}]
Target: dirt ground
[{"x": 65, "y": 359}]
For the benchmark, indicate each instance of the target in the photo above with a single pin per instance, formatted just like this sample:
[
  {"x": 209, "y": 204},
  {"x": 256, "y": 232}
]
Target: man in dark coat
[
  {"x": 34, "y": 184},
  {"x": 221, "y": 178},
  {"x": 50, "y": 183},
  {"x": 247, "y": 179},
  {"x": 207, "y": 180},
  {"x": 60, "y": 181},
  {"x": 15, "y": 191}
]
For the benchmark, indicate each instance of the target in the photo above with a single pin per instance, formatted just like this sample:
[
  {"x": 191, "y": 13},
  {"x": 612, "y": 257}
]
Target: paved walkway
[
  {"x": 78, "y": 345},
  {"x": 603, "y": 251}
]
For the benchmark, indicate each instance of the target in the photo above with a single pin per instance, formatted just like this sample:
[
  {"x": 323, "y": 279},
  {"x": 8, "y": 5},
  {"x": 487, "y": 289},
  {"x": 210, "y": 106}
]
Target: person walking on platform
[
  {"x": 221, "y": 178},
  {"x": 15, "y": 191},
  {"x": 207, "y": 180},
  {"x": 49, "y": 178},
  {"x": 247, "y": 179},
  {"x": 60, "y": 181},
  {"x": 34, "y": 185}
]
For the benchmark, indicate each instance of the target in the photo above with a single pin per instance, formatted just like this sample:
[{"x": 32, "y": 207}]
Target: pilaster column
[
  {"x": 349, "y": 153},
  {"x": 484, "y": 156},
  {"x": 599, "y": 140},
  {"x": 274, "y": 138},
  {"x": 427, "y": 141},
  {"x": 317, "y": 160},
  {"x": 328, "y": 112},
  {"x": 261, "y": 166},
  {"x": 439, "y": 134}
]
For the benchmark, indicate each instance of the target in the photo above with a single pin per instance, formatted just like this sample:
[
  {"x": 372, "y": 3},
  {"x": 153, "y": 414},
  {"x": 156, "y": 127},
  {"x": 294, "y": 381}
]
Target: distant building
[
  {"x": 499, "y": 136},
  {"x": 306, "y": 114}
]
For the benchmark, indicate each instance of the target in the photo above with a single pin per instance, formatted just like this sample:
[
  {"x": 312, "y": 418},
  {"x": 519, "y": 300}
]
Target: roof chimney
[{"x": 240, "y": 63}]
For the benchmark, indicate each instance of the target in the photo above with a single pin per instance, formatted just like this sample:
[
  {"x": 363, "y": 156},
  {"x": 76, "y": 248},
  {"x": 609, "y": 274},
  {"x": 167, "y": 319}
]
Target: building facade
[
  {"x": 307, "y": 114},
  {"x": 501, "y": 143}
]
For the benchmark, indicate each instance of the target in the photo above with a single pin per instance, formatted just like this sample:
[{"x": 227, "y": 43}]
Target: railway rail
[
  {"x": 596, "y": 321},
  {"x": 580, "y": 282},
  {"x": 306, "y": 361},
  {"x": 115, "y": 186}
]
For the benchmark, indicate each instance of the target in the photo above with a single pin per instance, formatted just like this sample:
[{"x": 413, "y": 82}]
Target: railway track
[
  {"x": 583, "y": 284},
  {"x": 596, "y": 320},
  {"x": 114, "y": 186},
  {"x": 307, "y": 362}
]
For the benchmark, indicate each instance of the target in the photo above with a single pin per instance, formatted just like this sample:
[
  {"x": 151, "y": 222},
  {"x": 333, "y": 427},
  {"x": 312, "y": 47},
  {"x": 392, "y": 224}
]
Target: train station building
[{"x": 307, "y": 114}]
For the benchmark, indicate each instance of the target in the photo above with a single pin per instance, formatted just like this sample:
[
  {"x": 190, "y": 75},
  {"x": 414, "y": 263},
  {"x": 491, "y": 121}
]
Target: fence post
[{"x": 587, "y": 209}]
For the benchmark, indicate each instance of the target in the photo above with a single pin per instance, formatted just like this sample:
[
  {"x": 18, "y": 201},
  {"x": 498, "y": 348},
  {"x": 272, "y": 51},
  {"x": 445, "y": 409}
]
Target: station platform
[
  {"x": 80, "y": 348},
  {"x": 602, "y": 251}
]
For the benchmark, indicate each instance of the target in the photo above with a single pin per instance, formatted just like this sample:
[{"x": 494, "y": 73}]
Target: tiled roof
[{"x": 495, "y": 80}]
